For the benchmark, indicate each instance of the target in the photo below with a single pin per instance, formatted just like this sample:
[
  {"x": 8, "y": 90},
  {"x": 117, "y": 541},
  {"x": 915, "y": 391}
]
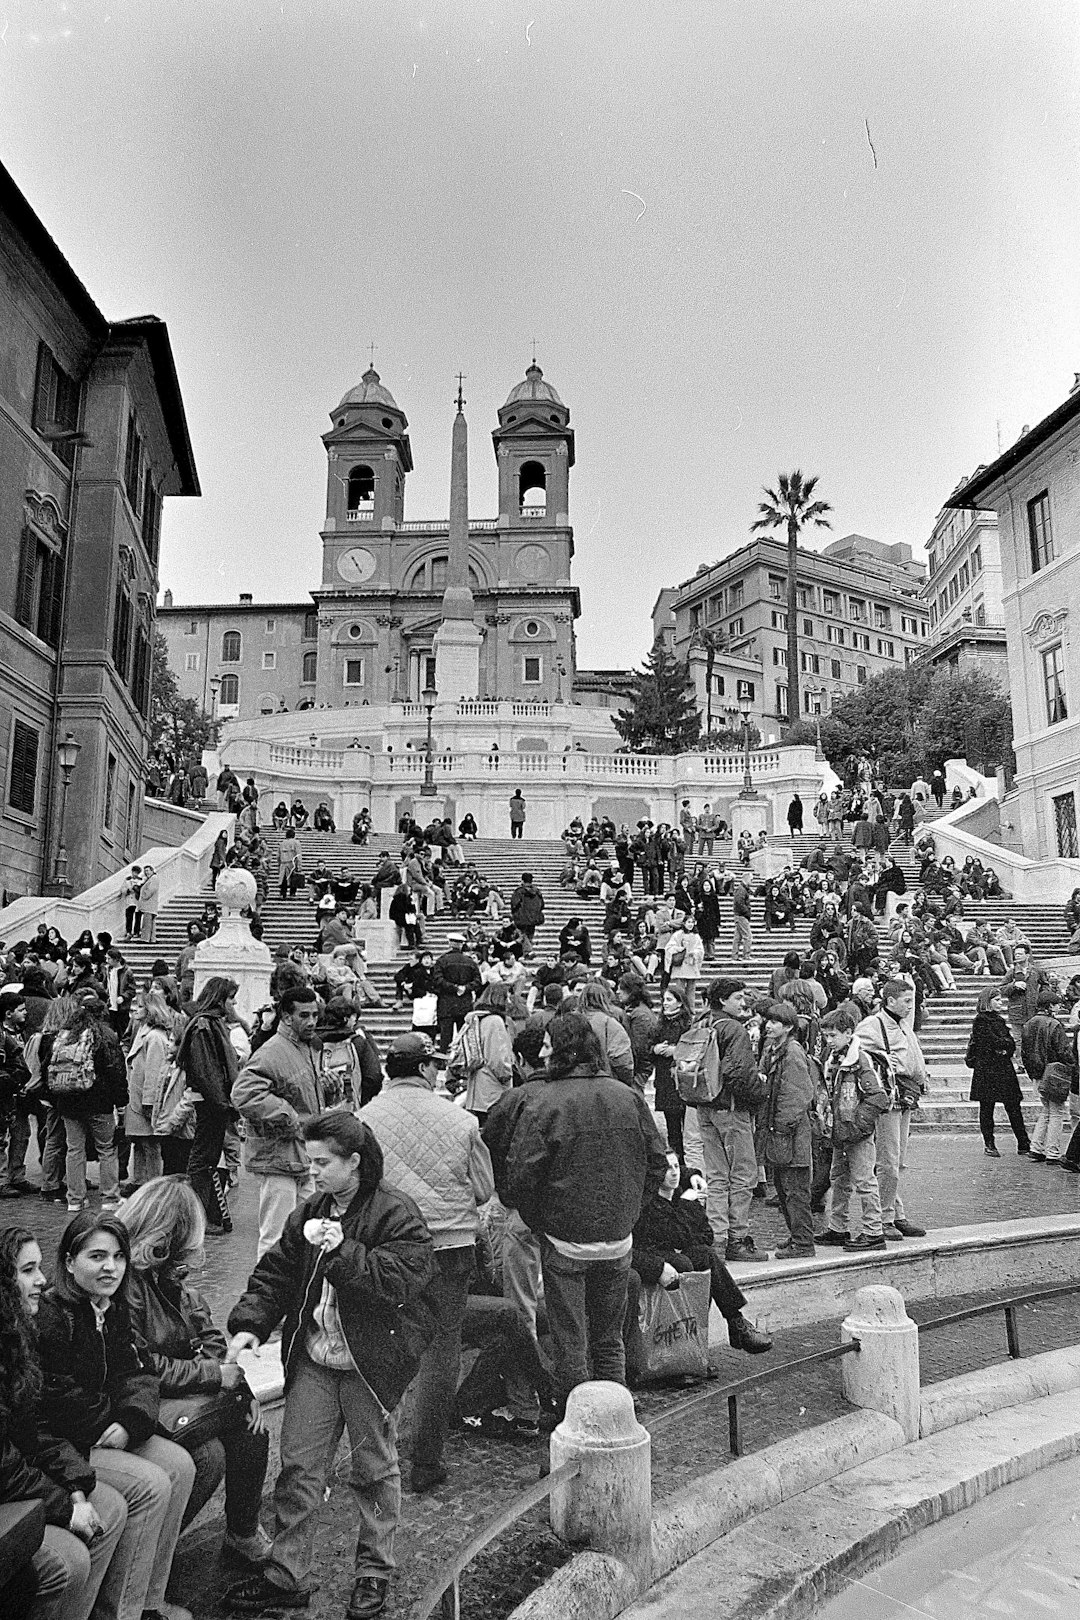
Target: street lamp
[
  {"x": 749, "y": 791},
  {"x": 429, "y": 697},
  {"x": 67, "y": 752},
  {"x": 815, "y": 694},
  {"x": 560, "y": 671},
  {"x": 215, "y": 687}
]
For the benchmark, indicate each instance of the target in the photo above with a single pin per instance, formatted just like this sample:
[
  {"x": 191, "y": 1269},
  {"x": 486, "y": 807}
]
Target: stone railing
[{"x": 325, "y": 760}]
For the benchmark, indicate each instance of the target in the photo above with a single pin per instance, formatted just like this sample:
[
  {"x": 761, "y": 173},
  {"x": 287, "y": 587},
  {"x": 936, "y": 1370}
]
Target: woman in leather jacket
[{"x": 166, "y": 1225}]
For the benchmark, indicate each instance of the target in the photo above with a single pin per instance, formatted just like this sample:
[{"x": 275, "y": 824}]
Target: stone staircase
[{"x": 948, "y": 1017}]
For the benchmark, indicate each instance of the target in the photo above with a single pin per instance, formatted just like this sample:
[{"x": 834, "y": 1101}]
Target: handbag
[
  {"x": 425, "y": 1010},
  {"x": 674, "y": 1328},
  {"x": 191, "y": 1420}
]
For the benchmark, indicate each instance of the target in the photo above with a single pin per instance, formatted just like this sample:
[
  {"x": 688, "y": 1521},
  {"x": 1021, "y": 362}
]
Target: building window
[
  {"x": 943, "y": 604},
  {"x": 533, "y": 671},
  {"x": 856, "y": 609},
  {"x": 885, "y": 649},
  {"x": 431, "y": 576},
  {"x": 779, "y": 621},
  {"x": 745, "y": 689},
  {"x": 695, "y": 616},
  {"x": 268, "y": 703},
  {"x": 860, "y": 674},
  {"x": 931, "y": 561},
  {"x": 129, "y": 824},
  {"x": 834, "y": 668},
  {"x": 804, "y": 595},
  {"x": 56, "y": 406},
  {"x": 269, "y": 660},
  {"x": 980, "y": 613},
  {"x": 828, "y": 601},
  {"x": 311, "y": 664},
  {"x": 230, "y": 647},
  {"x": 311, "y": 626},
  {"x": 715, "y": 606},
  {"x": 735, "y": 597},
  {"x": 532, "y": 489},
  {"x": 1065, "y": 826},
  {"x": 141, "y": 671},
  {"x": 779, "y": 656},
  {"x": 193, "y": 628},
  {"x": 835, "y": 634},
  {"x": 109, "y": 806},
  {"x": 808, "y": 627},
  {"x": 777, "y": 587},
  {"x": 860, "y": 641},
  {"x": 781, "y": 701},
  {"x": 1053, "y": 663},
  {"x": 882, "y": 617},
  {"x": 229, "y": 695},
  {"x": 191, "y": 661},
  {"x": 360, "y": 498},
  {"x": 271, "y": 626},
  {"x": 810, "y": 663},
  {"x": 908, "y": 625},
  {"x": 965, "y": 577},
  {"x": 354, "y": 672},
  {"x": 1039, "y": 532},
  {"x": 735, "y": 628},
  {"x": 121, "y": 640},
  {"x": 718, "y": 685},
  {"x": 39, "y": 590},
  {"x": 910, "y": 654},
  {"x": 151, "y": 517},
  {"x": 933, "y": 614},
  {"x": 976, "y": 559},
  {"x": 132, "y": 462},
  {"x": 22, "y": 780}
]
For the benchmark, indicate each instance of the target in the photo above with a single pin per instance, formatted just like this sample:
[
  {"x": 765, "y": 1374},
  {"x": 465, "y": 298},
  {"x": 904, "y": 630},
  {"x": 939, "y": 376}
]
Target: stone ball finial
[{"x": 235, "y": 890}]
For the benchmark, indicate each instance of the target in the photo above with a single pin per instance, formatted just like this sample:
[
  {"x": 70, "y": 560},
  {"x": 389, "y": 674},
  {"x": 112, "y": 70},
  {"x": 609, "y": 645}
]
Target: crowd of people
[{"x": 497, "y": 1179}]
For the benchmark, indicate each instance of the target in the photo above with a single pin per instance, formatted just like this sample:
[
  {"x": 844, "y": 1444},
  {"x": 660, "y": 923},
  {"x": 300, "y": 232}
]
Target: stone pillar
[
  {"x": 884, "y": 1375},
  {"x": 749, "y": 815},
  {"x": 233, "y": 952},
  {"x": 608, "y": 1507}
]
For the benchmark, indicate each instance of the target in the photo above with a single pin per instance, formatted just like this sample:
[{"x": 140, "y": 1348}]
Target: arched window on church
[
  {"x": 361, "y": 492},
  {"x": 532, "y": 489},
  {"x": 430, "y": 575},
  {"x": 230, "y": 647}
]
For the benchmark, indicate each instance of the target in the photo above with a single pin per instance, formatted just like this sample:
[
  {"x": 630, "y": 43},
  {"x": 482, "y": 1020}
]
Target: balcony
[
  {"x": 534, "y": 513},
  {"x": 362, "y": 514}
]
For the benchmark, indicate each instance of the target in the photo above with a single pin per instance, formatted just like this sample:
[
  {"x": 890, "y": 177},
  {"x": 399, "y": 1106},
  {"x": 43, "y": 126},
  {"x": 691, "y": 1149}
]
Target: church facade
[{"x": 367, "y": 638}]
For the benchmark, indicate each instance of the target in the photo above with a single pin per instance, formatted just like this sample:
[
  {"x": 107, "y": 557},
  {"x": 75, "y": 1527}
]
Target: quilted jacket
[{"x": 432, "y": 1151}]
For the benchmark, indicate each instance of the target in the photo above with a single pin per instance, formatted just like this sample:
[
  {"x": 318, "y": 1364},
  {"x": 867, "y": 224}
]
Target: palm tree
[{"x": 790, "y": 506}]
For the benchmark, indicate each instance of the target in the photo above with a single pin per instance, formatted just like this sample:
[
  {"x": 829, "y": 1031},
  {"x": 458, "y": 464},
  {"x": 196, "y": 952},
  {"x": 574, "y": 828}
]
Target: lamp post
[
  {"x": 749, "y": 791},
  {"x": 429, "y": 697},
  {"x": 67, "y": 752},
  {"x": 215, "y": 687},
  {"x": 816, "y": 693},
  {"x": 560, "y": 671}
]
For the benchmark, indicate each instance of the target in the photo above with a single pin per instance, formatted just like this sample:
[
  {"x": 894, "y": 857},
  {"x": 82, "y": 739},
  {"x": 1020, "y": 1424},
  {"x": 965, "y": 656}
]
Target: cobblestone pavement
[{"x": 948, "y": 1182}]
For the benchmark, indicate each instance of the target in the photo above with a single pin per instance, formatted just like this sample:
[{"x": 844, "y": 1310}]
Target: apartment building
[{"x": 963, "y": 593}]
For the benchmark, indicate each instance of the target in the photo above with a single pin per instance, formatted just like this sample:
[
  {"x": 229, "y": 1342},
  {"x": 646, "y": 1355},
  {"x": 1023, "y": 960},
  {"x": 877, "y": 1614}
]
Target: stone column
[
  {"x": 608, "y": 1507},
  {"x": 884, "y": 1375},
  {"x": 233, "y": 952}
]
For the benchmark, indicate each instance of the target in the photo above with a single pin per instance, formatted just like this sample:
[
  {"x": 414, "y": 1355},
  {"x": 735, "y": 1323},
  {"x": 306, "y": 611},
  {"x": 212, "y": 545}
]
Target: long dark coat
[{"x": 990, "y": 1058}]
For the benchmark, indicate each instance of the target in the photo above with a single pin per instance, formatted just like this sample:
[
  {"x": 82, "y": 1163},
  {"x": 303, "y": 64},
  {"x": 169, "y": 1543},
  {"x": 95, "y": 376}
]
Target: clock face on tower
[{"x": 356, "y": 565}]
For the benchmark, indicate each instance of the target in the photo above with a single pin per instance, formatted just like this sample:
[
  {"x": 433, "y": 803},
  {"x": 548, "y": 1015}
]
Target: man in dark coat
[
  {"x": 456, "y": 981},
  {"x": 527, "y": 907}
]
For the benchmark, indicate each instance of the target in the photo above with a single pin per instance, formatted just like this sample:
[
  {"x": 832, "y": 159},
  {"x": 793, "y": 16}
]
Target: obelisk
[{"x": 457, "y": 640}]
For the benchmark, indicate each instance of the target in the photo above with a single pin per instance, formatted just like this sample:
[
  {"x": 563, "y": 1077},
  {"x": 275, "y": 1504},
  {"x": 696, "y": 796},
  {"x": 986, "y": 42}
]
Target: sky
[{"x": 745, "y": 236}]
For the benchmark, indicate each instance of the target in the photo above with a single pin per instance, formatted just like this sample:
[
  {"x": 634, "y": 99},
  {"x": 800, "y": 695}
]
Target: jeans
[
  {"x": 1047, "y": 1134},
  {"x": 155, "y": 1481},
  {"x": 586, "y": 1303},
  {"x": 84, "y": 1128},
  {"x": 52, "y": 1160},
  {"x": 854, "y": 1182},
  {"x": 69, "y": 1573},
  {"x": 320, "y": 1405},
  {"x": 278, "y": 1197},
  {"x": 15, "y": 1132},
  {"x": 146, "y": 1162},
  {"x": 744, "y": 939},
  {"x": 890, "y": 1140},
  {"x": 1014, "y": 1109},
  {"x": 210, "y": 1126},
  {"x": 239, "y": 1458},
  {"x": 517, "y": 829},
  {"x": 440, "y": 1365},
  {"x": 521, "y": 1267},
  {"x": 727, "y": 1145},
  {"x": 793, "y": 1190}
]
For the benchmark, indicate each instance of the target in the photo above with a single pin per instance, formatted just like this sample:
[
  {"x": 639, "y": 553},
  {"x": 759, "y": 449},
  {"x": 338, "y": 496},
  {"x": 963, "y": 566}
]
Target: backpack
[
  {"x": 339, "y": 1068},
  {"x": 168, "y": 1099},
  {"x": 71, "y": 1067},
  {"x": 467, "y": 1047},
  {"x": 695, "y": 1067}
]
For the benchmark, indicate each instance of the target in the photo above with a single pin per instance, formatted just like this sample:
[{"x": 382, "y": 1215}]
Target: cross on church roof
[
  {"x": 460, "y": 399},
  {"x": 371, "y": 354}
]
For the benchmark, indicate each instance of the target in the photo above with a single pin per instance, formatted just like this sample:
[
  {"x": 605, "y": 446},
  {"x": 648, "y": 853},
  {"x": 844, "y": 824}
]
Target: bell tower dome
[
  {"x": 534, "y": 446},
  {"x": 368, "y": 455}
]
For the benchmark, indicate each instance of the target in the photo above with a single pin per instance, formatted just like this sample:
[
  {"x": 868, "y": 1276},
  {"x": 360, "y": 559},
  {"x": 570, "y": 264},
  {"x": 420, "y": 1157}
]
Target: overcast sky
[{"x": 745, "y": 237}]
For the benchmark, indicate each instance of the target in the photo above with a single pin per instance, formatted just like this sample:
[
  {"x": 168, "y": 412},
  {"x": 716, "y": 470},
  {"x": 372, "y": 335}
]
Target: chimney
[
  {"x": 245, "y": 598},
  {"x": 168, "y": 599}
]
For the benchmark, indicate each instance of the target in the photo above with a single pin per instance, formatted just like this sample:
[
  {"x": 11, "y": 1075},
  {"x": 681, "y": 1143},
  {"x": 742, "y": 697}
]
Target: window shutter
[
  {"x": 24, "y": 591},
  {"x": 22, "y": 787},
  {"x": 50, "y": 604}
]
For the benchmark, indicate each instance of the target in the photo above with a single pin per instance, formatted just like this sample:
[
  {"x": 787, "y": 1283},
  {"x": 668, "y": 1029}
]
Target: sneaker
[
  {"x": 991, "y": 1151},
  {"x": 254, "y": 1594},
  {"x": 368, "y": 1597},
  {"x": 74, "y": 1206},
  {"x": 742, "y": 1250},
  {"x": 109, "y": 1206},
  {"x": 253, "y": 1549},
  {"x": 836, "y": 1239},
  {"x": 863, "y": 1243},
  {"x": 909, "y": 1229}
]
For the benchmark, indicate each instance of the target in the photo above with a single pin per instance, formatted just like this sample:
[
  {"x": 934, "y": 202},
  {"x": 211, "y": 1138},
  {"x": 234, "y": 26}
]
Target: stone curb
[{"x": 750, "y": 1518}]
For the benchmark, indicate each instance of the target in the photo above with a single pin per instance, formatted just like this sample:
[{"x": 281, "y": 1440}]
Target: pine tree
[{"x": 663, "y": 717}]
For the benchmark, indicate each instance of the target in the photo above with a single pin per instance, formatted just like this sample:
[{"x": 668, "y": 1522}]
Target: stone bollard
[
  {"x": 608, "y": 1507},
  {"x": 884, "y": 1375}
]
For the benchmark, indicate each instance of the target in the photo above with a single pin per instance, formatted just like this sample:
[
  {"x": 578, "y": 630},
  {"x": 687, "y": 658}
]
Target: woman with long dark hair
[
  {"x": 989, "y": 1056},
  {"x": 155, "y": 1026},
  {"x": 166, "y": 1225},
  {"x": 208, "y": 1059},
  {"x": 102, "y": 1399},
  {"x": 83, "y": 1518},
  {"x": 82, "y": 1071},
  {"x": 675, "y": 1020}
]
